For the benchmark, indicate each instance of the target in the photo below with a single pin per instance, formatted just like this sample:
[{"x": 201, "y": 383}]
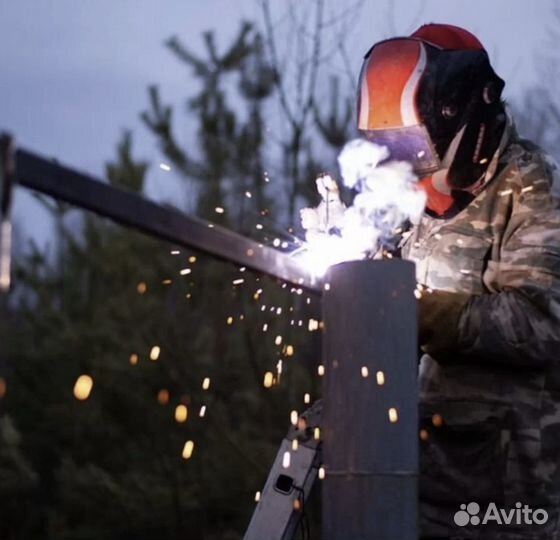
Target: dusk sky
[{"x": 75, "y": 73}]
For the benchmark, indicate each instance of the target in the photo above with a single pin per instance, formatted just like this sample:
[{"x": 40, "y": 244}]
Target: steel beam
[
  {"x": 370, "y": 431},
  {"x": 131, "y": 210}
]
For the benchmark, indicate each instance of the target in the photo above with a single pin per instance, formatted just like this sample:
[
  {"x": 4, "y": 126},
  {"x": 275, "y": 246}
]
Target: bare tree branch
[{"x": 271, "y": 43}]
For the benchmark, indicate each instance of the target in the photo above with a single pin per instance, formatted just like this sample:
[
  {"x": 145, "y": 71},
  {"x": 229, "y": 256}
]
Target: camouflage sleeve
[{"x": 520, "y": 323}]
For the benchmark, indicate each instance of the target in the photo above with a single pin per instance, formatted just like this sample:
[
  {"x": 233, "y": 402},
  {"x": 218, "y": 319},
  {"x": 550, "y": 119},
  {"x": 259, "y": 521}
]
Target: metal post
[{"x": 370, "y": 432}]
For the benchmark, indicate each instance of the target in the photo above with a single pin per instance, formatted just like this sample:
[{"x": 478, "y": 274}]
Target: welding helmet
[{"x": 433, "y": 100}]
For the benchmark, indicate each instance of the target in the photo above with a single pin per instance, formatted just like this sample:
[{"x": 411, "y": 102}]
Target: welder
[{"x": 487, "y": 252}]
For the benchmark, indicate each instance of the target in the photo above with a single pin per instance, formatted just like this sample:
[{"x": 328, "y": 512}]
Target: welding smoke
[{"x": 387, "y": 197}]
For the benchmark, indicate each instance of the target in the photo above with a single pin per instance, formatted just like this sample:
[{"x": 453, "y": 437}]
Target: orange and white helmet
[{"x": 433, "y": 100}]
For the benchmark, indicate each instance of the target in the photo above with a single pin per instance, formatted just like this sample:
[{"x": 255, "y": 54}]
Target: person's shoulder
[{"x": 532, "y": 171}]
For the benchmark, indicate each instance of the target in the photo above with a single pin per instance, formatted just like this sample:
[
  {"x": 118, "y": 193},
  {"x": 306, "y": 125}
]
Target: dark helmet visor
[{"x": 411, "y": 144}]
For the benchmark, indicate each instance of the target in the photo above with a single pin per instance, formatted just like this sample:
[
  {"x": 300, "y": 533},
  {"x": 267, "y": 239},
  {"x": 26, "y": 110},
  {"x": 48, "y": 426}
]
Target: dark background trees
[{"x": 100, "y": 299}]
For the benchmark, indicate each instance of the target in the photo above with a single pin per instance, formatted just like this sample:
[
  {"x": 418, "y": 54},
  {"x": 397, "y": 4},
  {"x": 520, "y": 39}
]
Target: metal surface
[
  {"x": 370, "y": 431},
  {"x": 129, "y": 209},
  {"x": 275, "y": 517}
]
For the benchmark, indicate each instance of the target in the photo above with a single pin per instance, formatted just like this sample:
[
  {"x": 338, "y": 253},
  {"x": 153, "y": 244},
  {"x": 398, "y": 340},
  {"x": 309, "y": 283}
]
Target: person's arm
[{"x": 520, "y": 324}]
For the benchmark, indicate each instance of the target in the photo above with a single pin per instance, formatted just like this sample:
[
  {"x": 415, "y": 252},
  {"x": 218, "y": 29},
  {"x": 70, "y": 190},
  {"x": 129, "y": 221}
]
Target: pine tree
[{"x": 97, "y": 307}]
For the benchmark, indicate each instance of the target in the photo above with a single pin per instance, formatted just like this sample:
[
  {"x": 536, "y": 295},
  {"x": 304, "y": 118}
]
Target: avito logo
[{"x": 520, "y": 515}]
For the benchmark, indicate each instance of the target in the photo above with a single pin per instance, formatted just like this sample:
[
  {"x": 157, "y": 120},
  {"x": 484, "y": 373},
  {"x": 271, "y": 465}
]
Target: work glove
[{"x": 438, "y": 321}]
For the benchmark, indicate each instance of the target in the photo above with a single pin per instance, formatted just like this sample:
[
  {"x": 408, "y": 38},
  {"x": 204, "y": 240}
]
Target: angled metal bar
[{"x": 129, "y": 209}]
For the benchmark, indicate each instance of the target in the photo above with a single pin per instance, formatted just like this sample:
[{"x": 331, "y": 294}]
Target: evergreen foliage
[{"x": 111, "y": 466}]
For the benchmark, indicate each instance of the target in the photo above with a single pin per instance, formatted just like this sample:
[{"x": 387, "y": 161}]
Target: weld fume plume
[{"x": 387, "y": 197}]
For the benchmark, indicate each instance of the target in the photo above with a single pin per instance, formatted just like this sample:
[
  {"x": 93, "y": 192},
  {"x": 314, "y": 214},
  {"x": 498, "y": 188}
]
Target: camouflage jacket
[{"x": 490, "y": 413}]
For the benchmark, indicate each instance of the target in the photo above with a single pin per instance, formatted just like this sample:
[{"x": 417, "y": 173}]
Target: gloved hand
[{"x": 438, "y": 321}]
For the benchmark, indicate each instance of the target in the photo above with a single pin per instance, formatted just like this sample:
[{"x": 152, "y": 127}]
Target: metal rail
[{"x": 131, "y": 210}]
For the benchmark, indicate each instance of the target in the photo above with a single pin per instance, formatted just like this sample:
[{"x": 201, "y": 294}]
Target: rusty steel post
[{"x": 370, "y": 432}]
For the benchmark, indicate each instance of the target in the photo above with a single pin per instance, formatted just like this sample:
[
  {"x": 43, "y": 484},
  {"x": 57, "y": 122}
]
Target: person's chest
[{"x": 461, "y": 254}]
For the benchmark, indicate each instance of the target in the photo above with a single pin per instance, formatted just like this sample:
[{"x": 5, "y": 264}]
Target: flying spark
[
  {"x": 154, "y": 353},
  {"x": 294, "y": 418},
  {"x": 181, "y": 414},
  {"x": 188, "y": 450},
  {"x": 312, "y": 325},
  {"x": 268, "y": 379},
  {"x": 141, "y": 288},
  {"x": 83, "y": 387}
]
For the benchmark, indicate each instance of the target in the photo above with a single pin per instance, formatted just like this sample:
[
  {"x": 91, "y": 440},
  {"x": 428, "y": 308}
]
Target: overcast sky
[{"x": 74, "y": 73}]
